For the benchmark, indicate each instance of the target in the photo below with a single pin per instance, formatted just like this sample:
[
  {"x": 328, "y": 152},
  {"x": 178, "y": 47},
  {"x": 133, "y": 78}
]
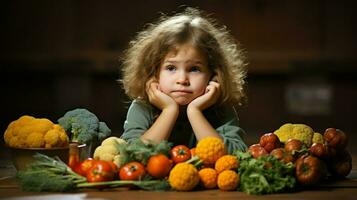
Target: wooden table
[{"x": 338, "y": 190}]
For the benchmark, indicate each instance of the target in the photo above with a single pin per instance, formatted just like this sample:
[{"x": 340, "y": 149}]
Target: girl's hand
[
  {"x": 158, "y": 98},
  {"x": 208, "y": 98}
]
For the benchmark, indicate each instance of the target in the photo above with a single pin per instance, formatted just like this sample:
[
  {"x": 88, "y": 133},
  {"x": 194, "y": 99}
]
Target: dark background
[{"x": 59, "y": 55}]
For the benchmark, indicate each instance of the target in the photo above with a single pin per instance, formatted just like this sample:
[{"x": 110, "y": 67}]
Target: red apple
[{"x": 269, "y": 141}]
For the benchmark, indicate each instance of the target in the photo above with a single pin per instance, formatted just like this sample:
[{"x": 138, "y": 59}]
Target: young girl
[{"x": 185, "y": 75}]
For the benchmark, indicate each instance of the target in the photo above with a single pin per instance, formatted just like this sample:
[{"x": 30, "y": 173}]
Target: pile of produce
[
  {"x": 78, "y": 125},
  {"x": 315, "y": 157},
  {"x": 293, "y": 156}
]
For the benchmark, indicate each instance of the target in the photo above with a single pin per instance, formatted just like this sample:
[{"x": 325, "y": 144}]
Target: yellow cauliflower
[
  {"x": 317, "y": 138},
  {"x": 301, "y": 132},
  {"x": 109, "y": 150},
  {"x": 31, "y": 132}
]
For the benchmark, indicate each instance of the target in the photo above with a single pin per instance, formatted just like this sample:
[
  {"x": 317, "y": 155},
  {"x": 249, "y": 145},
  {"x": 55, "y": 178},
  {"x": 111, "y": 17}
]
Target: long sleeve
[
  {"x": 230, "y": 131},
  {"x": 139, "y": 118}
]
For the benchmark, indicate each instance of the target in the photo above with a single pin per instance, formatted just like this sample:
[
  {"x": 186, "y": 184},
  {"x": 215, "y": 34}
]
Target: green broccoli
[{"x": 84, "y": 127}]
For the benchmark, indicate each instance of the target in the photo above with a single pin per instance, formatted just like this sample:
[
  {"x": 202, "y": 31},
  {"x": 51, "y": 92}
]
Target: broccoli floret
[
  {"x": 103, "y": 131},
  {"x": 83, "y": 126}
]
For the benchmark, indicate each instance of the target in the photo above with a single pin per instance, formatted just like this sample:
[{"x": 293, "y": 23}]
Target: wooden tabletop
[{"x": 340, "y": 190}]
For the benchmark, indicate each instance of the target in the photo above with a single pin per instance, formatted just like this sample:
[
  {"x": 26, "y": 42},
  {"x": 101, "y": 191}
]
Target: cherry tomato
[
  {"x": 159, "y": 166},
  {"x": 100, "y": 171},
  {"x": 180, "y": 153},
  {"x": 83, "y": 167},
  {"x": 132, "y": 171}
]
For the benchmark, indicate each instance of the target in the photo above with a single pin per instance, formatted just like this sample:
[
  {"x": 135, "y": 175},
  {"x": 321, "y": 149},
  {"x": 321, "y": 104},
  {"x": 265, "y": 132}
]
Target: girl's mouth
[{"x": 181, "y": 92}]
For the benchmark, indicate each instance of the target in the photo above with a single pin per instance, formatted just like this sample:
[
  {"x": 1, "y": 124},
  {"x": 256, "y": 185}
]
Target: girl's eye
[
  {"x": 171, "y": 68},
  {"x": 195, "y": 69}
]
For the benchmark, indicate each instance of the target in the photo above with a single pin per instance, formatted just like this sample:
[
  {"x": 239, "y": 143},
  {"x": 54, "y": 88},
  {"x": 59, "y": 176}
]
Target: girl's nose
[{"x": 182, "y": 79}]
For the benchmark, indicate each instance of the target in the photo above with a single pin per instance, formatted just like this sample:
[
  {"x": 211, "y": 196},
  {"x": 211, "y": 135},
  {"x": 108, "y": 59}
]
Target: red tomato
[
  {"x": 114, "y": 166},
  {"x": 336, "y": 138},
  {"x": 309, "y": 170},
  {"x": 341, "y": 165},
  {"x": 180, "y": 153},
  {"x": 269, "y": 141},
  {"x": 83, "y": 167},
  {"x": 282, "y": 155},
  {"x": 319, "y": 150},
  {"x": 293, "y": 145},
  {"x": 159, "y": 166},
  {"x": 101, "y": 171},
  {"x": 132, "y": 171},
  {"x": 256, "y": 150},
  {"x": 193, "y": 151}
]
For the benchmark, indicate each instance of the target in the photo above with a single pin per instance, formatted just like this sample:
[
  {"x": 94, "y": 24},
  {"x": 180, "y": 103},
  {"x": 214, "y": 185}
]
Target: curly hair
[{"x": 141, "y": 60}]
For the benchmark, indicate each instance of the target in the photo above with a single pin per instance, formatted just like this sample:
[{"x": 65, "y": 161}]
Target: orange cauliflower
[
  {"x": 184, "y": 177},
  {"x": 210, "y": 149},
  {"x": 228, "y": 180},
  {"x": 31, "y": 132}
]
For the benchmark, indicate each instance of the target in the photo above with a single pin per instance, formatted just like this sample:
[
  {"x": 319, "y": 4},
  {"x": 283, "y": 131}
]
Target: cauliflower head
[
  {"x": 317, "y": 138},
  {"x": 31, "y": 132},
  {"x": 301, "y": 132},
  {"x": 109, "y": 150}
]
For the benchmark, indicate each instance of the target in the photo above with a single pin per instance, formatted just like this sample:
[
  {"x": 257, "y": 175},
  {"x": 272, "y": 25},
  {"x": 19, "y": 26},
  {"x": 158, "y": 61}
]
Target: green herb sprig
[{"x": 264, "y": 175}]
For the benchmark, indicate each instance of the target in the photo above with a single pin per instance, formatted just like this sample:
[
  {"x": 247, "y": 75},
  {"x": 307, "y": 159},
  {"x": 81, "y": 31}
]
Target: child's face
[{"x": 184, "y": 74}]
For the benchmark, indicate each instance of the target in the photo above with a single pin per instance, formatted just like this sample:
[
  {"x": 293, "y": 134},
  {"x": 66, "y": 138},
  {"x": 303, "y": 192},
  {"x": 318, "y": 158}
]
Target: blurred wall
[{"x": 60, "y": 55}]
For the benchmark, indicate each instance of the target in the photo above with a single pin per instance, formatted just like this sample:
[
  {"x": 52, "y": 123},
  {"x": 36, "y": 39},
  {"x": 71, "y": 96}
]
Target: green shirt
[{"x": 141, "y": 116}]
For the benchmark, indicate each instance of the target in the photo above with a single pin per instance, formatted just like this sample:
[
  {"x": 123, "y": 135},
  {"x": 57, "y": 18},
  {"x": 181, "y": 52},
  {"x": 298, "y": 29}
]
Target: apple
[
  {"x": 269, "y": 141},
  {"x": 336, "y": 138}
]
